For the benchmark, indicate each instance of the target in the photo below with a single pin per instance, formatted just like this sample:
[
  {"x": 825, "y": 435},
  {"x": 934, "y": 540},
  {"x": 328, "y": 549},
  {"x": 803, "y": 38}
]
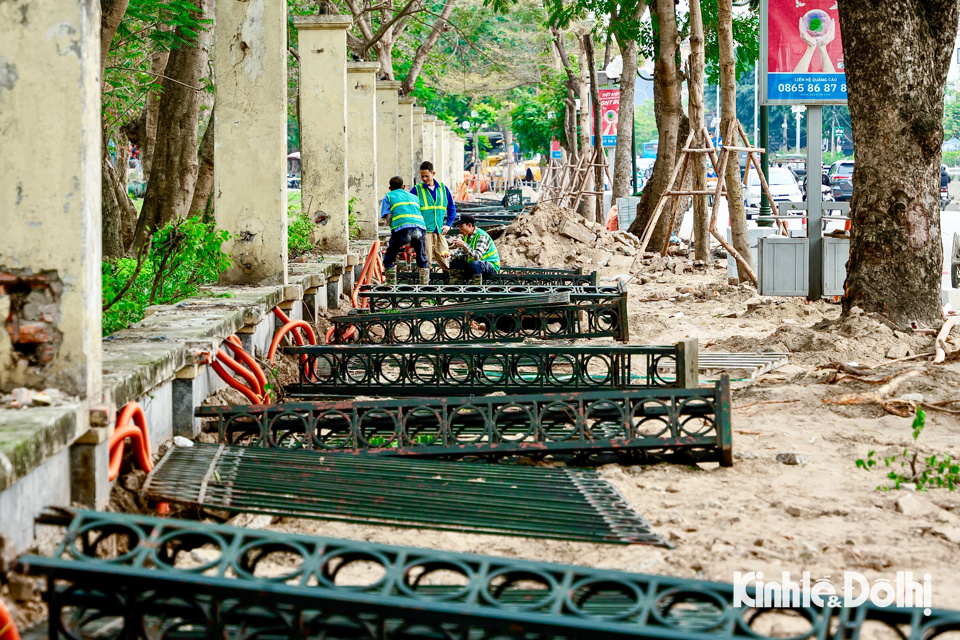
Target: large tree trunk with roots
[
  {"x": 696, "y": 66},
  {"x": 174, "y": 172},
  {"x": 586, "y": 148},
  {"x": 896, "y": 55},
  {"x": 728, "y": 116},
  {"x": 669, "y": 111},
  {"x": 204, "y": 186},
  {"x": 623, "y": 155}
]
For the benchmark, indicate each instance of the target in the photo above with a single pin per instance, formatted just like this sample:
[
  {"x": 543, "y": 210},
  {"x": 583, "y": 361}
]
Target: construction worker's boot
[
  {"x": 425, "y": 275},
  {"x": 391, "y": 275},
  {"x": 477, "y": 279}
]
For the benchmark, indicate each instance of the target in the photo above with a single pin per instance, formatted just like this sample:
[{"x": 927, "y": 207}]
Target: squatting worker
[
  {"x": 480, "y": 255},
  {"x": 406, "y": 227},
  {"x": 439, "y": 212}
]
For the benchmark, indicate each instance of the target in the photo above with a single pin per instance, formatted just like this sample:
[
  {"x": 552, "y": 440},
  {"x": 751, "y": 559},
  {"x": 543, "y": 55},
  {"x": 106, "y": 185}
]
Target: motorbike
[{"x": 944, "y": 198}]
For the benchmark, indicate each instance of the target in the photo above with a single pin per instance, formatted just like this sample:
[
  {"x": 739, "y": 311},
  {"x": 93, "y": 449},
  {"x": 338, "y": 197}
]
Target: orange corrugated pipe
[
  {"x": 139, "y": 439},
  {"x": 287, "y": 328},
  {"x": 8, "y": 630}
]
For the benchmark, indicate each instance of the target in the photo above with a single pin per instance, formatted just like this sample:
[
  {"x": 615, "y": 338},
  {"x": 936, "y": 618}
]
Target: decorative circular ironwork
[
  {"x": 332, "y": 430},
  {"x": 537, "y": 587},
  {"x": 558, "y": 421},
  {"x": 271, "y": 561},
  {"x": 514, "y": 422}
]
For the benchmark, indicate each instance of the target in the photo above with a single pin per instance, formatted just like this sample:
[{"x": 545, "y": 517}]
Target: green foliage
[
  {"x": 951, "y": 111},
  {"x": 181, "y": 257},
  {"x": 352, "y": 221},
  {"x": 951, "y": 158},
  {"x": 933, "y": 472},
  {"x": 533, "y": 125},
  {"x": 645, "y": 122},
  {"x": 299, "y": 226},
  {"x": 147, "y": 27}
]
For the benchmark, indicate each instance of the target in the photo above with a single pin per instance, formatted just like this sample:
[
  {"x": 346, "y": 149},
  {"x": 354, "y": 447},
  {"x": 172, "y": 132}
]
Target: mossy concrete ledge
[{"x": 30, "y": 436}]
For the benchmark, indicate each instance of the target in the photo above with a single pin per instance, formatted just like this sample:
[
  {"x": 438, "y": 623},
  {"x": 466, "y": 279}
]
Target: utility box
[
  {"x": 755, "y": 235},
  {"x": 783, "y": 267},
  {"x": 626, "y": 211},
  {"x": 836, "y": 252}
]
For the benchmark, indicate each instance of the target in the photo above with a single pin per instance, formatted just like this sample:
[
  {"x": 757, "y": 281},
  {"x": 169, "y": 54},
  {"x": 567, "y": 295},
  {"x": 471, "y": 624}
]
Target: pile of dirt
[{"x": 551, "y": 236}]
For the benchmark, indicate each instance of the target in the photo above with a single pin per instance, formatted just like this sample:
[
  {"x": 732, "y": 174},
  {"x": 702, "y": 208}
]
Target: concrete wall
[
  {"x": 387, "y": 135},
  {"x": 48, "y": 484},
  {"x": 50, "y": 193},
  {"x": 440, "y": 151},
  {"x": 362, "y": 145},
  {"x": 405, "y": 140},
  {"x": 323, "y": 132},
  {"x": 418, "y": 114},
  {"x": 429, "y": 139},
  {"x": 250, "y": 173}
]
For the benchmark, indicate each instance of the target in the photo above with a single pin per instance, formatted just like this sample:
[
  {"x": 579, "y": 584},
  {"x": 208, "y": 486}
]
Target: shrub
[{"x": 181, "y": 257}]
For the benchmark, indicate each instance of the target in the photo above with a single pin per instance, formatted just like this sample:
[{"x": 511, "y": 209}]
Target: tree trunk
[
  {"x": 623, "y": 155},
  {"x": 112, "y": 224},
  {"x": 204, "y": 185},
  {"x": 584, "y": 96},
  {"x": 175, "y": 166},
  {"x": 728, "y": 116},
  {"x": 666, "y": 96},
  {"x": 384, "y": 50},
  {"x": 573, "y": 89},
  {"x": 896, "y": 55},
  {"x": 111, "y": 13},
  {"x": 597, "y": 127},
  {"x": 440, "y": 25},
  {"x": 696, "y": 66}
]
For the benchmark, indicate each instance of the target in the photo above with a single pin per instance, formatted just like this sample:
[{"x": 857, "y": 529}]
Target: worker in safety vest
[
  {"x": 439, "y": 212},
  {"x": 479, "y": 254},
  {"x": 406, "y": 227}
]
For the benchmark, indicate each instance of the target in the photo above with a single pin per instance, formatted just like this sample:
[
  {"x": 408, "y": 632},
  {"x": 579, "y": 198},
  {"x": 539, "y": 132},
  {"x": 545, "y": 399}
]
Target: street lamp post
[{"x": 798, "y": 111}]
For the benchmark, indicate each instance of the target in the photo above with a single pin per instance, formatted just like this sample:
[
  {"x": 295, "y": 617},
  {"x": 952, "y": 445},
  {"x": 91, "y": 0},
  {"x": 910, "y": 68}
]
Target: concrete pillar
[
  {"x": 459, "y": 158},
  {"x": 440, "y": 152},
  {"x": 50, "y": 249},
  {"x": 405, "y": 139},
  {"x": 418, "y": 114},
  {"x": 362, "y": 144},
  {"x": 429, "y": 139},
  {"x": 387, "y": 135},
  {"x": 250, "y": 167},
  {"x": 323, "y": 130},
  {"x": 447, "y": 156}
]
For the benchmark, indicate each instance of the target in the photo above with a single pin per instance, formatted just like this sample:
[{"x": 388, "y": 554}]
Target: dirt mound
[{"x": 551, "y": 236}]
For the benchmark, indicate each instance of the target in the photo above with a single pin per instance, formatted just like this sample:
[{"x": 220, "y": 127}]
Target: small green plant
[
  {"x": 299, "y": 227},
  {"x": 934, "y": 472},
  {"x": 179, "y": 258},
  {"x": 352, "y": 219}
]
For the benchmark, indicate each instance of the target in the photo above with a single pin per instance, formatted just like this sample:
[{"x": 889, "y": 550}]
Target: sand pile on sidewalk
[{"x": 551, "y": 236}]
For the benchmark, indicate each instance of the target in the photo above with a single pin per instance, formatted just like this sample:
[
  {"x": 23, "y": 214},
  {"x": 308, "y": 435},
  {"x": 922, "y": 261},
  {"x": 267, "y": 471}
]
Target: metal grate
[
  {"x": 562, "y": 504},
  {"x": 514, "y": 319},
  {"x": 469, "y": 369},
  {"x": 438, "y": 277},
  {"x": 405, "y": 296},
  {"x": 715, "y": 364},
  {"x": 258, "y": 584},
  {"x": 655, "y": 423}
]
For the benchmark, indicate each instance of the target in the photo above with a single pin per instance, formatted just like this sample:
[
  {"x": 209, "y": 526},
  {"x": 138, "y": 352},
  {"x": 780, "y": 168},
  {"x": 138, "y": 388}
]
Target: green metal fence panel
[
  {"x": 438, "y": 277},
  {"x": 504, "y": 319},
  {"x": 139, "y": 577},
  {"x": 405, "y": 296},
  {"x": 495, "y": 499},
  {"x": 637, "y": 424},
  {"x": 474, "y": 369}
]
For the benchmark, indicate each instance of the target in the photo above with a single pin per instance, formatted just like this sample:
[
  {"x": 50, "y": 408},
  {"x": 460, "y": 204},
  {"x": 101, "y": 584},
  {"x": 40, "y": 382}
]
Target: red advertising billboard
[
  {"x": 803, "y": 53},
  {"x": 609, "y": 116}
]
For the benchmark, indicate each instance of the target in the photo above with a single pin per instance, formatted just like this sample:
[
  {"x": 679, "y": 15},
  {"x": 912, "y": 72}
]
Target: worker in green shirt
[{"x": 406, "y": 227}]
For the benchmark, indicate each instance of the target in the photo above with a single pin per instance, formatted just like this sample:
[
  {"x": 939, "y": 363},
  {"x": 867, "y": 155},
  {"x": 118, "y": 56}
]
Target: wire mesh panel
[
  {"x": 125, "y": 576},
  {"x": 536, "y": 502},
  {"x": 474, "y": 369},
  {"x": 692, "y": 424},
  {"x": 406, "y": 296},
  {"x": 517, "y": 318}
]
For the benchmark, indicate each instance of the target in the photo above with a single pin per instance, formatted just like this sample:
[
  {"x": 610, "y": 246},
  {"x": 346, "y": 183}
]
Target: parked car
[
  {"x": 841, "y": 180},
  {"x": 783, "y": 186}
]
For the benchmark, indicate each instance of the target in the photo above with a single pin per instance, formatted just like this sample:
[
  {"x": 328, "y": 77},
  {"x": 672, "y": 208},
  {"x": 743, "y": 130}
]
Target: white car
[{"x": 783, "y": 186}]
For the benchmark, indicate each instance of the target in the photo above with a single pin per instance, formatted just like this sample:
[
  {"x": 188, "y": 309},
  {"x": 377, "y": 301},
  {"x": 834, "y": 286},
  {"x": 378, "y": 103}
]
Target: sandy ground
[{"x": 824, "y": 516}]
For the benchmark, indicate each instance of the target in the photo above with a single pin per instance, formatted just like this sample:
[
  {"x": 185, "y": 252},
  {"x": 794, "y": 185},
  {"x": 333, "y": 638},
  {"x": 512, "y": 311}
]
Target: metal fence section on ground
[
  {"x": 438, "y": 277},
  {"x": 692, "y": 425},
  {"x": 406, "y": 296},
  {"x": 152, "y": 578},
  {"x": 495, "y": 499},
  {"x": 505, "y": 319},
  {"x": 472, "y": 369}
]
